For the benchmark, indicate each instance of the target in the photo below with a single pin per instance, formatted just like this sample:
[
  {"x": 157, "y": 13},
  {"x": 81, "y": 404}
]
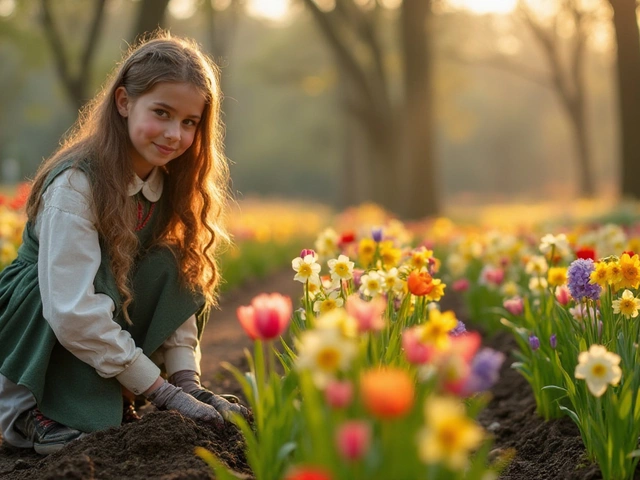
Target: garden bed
[{"x": 161, "y": 445}]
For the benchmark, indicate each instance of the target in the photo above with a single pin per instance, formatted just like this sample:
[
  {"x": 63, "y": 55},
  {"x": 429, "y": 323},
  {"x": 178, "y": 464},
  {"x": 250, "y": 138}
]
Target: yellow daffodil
[
  {"x": 614, "y": 273},
  {"x": 600, "y": 275},
  {"x": 420, "y": 258},
  {"x": 436, "y": 330},
  {"x": 438, "y": 290},
  {"x": 627, "y": 304},
  {"x": 366, "y": 251},
  {"x": 450, "y": 435},
  {"x": 389, "y": 254},
  {"x": 630, "y": 267},
  {"x": 599, "y": 368},
  {"x": 557, "y": 276}
]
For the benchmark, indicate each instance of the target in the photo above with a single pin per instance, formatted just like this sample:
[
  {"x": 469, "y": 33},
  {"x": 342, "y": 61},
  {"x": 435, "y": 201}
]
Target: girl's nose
[{"x": 172, "y": 132}]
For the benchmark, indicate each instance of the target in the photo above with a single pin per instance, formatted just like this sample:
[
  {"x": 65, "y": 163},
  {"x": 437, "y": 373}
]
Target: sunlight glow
[
  {"x": 485, "y": 6},
  {"x": 7, "y": 7},
  {"x": 269, "y": 9}
]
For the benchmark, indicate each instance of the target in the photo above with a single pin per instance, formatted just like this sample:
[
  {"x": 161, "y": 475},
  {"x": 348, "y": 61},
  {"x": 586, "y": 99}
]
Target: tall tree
[
  {"x": 628, "y": 67},
  {"x": 151, "y": 15},
  {"x": 568, "y": 78},
  {"x": 76, "y": 84},
  {"x": 397, "y": 128},
  {"x": 75, "y": 73}
]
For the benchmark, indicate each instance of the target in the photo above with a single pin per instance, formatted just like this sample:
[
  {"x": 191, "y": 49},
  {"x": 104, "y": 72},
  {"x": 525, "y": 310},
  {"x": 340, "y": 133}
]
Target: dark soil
[{"x": 162, "y": 444}]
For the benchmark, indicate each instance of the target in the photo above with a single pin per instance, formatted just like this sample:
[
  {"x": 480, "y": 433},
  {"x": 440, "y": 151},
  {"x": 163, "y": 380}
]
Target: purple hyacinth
[
  {"x": 578, "y": 277},
  {"x": 459, "y": 329},
  {"x": 376, "y": 234},
  {"x": 485, "y": 370},
  {"x": 534, "y": 342},
  {"x": 553, "y": 341}
]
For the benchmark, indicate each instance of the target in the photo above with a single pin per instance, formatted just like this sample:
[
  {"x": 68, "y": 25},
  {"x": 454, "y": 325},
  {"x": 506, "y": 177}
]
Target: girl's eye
[
  {"x": 161, "y": 113},
  {"x": 190, "y": 123}
]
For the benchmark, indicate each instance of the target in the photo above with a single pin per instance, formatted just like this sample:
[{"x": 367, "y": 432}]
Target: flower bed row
[
  {"x": 571, "y": 301},
  {"x": 373, "y": 380}
]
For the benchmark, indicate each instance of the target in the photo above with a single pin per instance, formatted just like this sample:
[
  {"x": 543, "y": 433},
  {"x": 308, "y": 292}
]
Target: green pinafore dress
[{"x": 65, "y": 388}]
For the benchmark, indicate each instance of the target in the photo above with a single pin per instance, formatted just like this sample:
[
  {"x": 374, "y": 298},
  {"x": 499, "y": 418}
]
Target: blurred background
[{"x": 424, "y": 107}]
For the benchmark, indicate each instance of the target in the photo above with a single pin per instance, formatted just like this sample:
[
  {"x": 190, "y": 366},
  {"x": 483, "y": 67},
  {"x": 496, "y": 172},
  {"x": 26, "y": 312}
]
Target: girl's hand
[
  {"x": 222, "y": 405},
  {"x": 170, "y": 397},
  {"x": 189, "y": 381}
]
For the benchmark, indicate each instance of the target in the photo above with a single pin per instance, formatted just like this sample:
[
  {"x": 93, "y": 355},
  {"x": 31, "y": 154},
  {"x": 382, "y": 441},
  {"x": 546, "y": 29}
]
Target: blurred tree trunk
[
  {"x": 356, "y": 179},
  {"x": 77, "y": 85},
  {"x": 568, "y": 82},
  {"x": 401, "y": 164},
  {"x": 422, "y": 194},
  {"x": 628, "y": 39},
  {"x": 150, "y": 16}
]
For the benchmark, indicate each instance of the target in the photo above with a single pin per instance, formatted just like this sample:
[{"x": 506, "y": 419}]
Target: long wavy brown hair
[{"x": 196, "y": 183}]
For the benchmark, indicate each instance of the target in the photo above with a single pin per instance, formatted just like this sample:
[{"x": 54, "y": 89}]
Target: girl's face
[{"x": 162, "y": 123}]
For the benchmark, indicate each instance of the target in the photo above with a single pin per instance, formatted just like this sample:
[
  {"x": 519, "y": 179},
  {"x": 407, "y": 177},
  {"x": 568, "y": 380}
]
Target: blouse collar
[{"x": 151, "y": 187}]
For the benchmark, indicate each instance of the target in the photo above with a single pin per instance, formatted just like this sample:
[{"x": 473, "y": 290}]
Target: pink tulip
[
  {"x": 368, "y": 315},
  {"x": 460, "y": 285},
  {"x": 415, "y": 351},
  {"x": 338, "y": 394},
  {"x": 353, "y": 439},
  {"x": 563, "y": 295},
  {"x": 515, "y": 305},
  {"x": 267, "y": 317}
]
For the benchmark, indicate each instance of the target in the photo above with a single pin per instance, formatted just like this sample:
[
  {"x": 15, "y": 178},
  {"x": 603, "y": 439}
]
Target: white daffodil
[
  {"x": 330, "y": 302},
  {"x": 390, "y": 280},
  {"x": 537, "y": 265},
  {"x": 324, "y": 352},
  {"x": 627, "y": 304},
  {"x": 341, "y": 269},
  {"x": 327, "y": 243},
  {"x": 457, "y": 264},
  {"x": 338, "y": 319},
  {"x": 306, "y": 268},
  {"x": 371, "y": 284},
  {"x": 558, "y": 243},
  {"x": 599, "y": 368},
  {"x": 538, "y": 285},
  {"x": 314, "y": 286}
]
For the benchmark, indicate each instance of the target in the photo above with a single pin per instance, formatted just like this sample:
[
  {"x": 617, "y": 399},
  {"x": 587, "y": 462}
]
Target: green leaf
[
  {"x": 573, "y": 415},
  {"x": 285, "y": 450}
]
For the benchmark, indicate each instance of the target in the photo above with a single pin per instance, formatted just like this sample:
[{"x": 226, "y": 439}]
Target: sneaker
[{"x": 48, "y": 436}]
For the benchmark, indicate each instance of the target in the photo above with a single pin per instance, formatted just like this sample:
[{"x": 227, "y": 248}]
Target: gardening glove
[
  {"x": 170, "y": 397},
  {"x": 226, "y": 405}
]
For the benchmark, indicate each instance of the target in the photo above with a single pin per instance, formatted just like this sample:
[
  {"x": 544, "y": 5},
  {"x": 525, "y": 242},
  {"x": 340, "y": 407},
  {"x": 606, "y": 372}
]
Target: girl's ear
[{"x": 122, "y": 101}]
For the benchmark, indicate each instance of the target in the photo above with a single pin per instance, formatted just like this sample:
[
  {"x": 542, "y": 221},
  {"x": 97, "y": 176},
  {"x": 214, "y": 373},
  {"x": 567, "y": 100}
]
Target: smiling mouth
[{"x": 165, "y": 150}]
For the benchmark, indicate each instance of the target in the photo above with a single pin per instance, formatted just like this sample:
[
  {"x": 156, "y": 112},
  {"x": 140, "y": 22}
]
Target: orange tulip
[
  {"x": 387, "y": 392},
  {"x": 420, "y": 283}
]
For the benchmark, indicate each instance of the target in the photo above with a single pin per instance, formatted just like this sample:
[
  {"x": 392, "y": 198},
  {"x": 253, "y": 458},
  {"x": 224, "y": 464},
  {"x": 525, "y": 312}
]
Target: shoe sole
[{"x": 49, "y": 448}]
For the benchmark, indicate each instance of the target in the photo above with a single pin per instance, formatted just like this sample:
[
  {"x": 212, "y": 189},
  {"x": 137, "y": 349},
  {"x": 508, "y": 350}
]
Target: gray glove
[
  {"x": 189, "y": 381},
  {"x": 170, "y": 397}
]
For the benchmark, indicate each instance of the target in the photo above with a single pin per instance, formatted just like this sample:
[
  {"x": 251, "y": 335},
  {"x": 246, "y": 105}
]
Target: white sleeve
[
  {"x": 68, "y": 258},
  {"x": 182, "y": 349}
]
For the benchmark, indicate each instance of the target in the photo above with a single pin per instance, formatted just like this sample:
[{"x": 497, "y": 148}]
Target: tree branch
[{"x": 344, "y": 56}]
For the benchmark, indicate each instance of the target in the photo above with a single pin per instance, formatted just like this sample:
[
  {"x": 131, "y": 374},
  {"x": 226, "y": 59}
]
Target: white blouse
[{"x": 68, "y": 259}]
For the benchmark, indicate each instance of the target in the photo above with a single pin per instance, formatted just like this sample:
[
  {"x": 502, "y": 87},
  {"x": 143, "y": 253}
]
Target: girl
[{"x": 117, "y": 264}]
